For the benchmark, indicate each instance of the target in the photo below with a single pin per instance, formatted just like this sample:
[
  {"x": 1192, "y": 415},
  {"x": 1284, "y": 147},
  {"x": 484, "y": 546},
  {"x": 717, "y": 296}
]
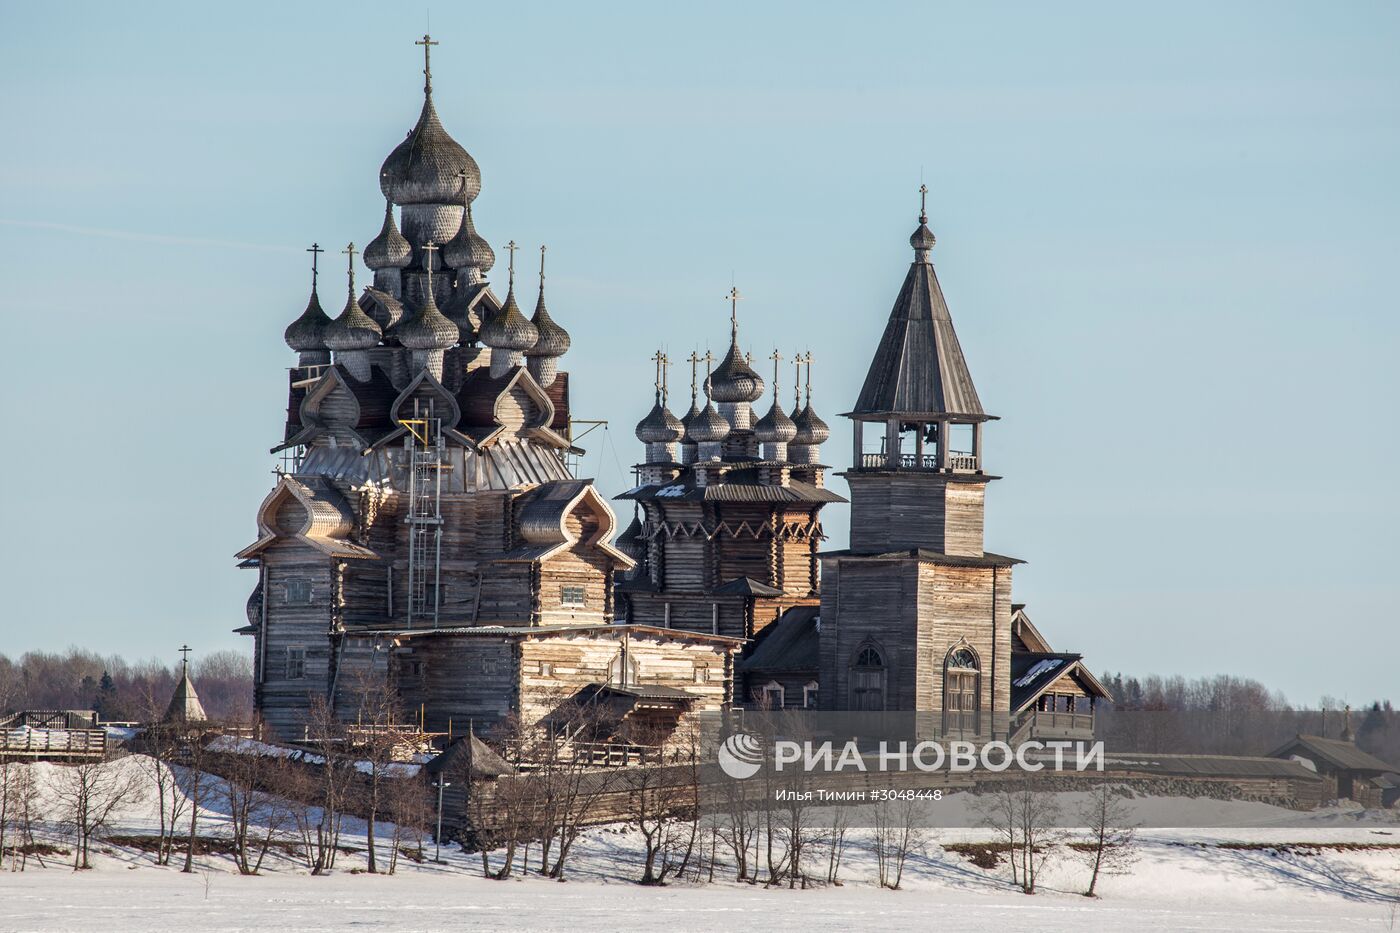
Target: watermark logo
[{"x": 741, "y": 755}]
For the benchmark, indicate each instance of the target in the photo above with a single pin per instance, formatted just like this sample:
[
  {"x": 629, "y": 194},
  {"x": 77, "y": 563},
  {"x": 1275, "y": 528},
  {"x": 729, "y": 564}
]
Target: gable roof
[
  {"x": 1335, "y": 752},
  {"x": 1024, "y": 635},
  {"x": 746, "y": 586},
  {"x": 1035, "y": 672},
  {"x": 327, "y": 525},
  {"x": 919, "y": 367},
  {"x": 789, "y": 644},
  {"x": 542, "y": 513}
]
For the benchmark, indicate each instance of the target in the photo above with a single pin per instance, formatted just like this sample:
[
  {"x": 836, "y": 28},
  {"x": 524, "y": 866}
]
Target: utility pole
[{"x": 437, "y": 836}]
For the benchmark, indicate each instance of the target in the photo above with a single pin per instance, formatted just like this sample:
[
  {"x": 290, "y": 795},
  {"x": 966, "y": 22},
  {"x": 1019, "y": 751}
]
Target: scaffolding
[{"x": 427, "y": 460}]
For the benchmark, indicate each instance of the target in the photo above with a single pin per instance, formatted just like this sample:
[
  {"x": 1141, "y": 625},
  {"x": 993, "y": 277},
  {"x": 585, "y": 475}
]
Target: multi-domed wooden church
[{"x": 427, "y": 528}]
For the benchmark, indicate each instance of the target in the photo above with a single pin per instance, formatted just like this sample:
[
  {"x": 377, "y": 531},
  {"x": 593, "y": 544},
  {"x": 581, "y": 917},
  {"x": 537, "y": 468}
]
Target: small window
[
  {"x": 702, "y": 675},
  {"x": 772, "y": 695},
  {"x": 298, "y": 592},
  {"x": 411, "y": 668},
  {"x": 296, "y": 663},
  {"x": 488, "y": 665},
  {"x": 546, "y": 669},
  {"x": 575, "y": 597},
  {"x": 809, "y": 695}
]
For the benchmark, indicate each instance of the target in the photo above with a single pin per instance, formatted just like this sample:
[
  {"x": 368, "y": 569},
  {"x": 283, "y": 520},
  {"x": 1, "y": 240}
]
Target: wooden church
[
  {"x": 916, "y": 615},
  {"x": 426, "y": 529}
]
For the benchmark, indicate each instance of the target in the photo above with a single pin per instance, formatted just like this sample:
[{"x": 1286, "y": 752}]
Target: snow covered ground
[{"x": 1183, "y": 881}]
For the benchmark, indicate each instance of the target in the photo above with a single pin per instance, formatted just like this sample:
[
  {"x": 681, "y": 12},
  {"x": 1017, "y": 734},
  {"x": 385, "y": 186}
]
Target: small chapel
[{"x": 426, "y": 528}]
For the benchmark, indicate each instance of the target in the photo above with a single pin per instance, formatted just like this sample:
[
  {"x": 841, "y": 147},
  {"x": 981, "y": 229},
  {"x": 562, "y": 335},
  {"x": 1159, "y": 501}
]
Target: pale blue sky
[{"x": 1168, "y": 237}]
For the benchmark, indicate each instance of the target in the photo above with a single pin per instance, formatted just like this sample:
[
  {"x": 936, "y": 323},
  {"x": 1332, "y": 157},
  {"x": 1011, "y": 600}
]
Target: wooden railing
[
  {"x": 1045, "y": 722},
  {"x": 959, "y": 461},
  {"x": 53, "y": 743},
  {"x": 527, "y": 756}
]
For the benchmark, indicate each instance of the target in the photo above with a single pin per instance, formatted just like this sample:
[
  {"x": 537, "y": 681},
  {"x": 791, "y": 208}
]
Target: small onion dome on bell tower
[
  {"x": 508, "y": 333},
  {"x": 551, "y": 342},
  {"x": 468, "y": 251},
  {"x": 307, "y": 334},
  {"x": 429, "y": 165},
  {"x": 353, "y": 332},
  {"x": 389, "y": 250}
]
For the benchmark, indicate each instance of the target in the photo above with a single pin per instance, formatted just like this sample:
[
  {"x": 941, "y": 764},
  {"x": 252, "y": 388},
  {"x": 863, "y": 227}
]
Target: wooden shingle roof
[{"x": 919, "y": 369}]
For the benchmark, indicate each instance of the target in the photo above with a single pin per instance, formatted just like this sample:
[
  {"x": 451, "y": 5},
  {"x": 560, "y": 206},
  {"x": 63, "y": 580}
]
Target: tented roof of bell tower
[{"x": 919, "y": 370}]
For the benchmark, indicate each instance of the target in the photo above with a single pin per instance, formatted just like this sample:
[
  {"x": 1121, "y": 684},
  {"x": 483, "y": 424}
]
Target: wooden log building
[{"x": 427, "y": 528}]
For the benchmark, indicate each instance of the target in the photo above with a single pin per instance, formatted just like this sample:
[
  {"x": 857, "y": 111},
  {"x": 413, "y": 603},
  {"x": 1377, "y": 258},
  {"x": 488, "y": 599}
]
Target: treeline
[
  {"x": 123, "y": 690},
  {"x": 1227, "y": 715}
]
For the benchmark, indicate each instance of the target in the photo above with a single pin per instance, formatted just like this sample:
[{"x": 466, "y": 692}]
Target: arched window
[
  {"x": 962, "y": 692},
  {"x": 809, "y": 695},
  {"x": 868, "y": 679}
]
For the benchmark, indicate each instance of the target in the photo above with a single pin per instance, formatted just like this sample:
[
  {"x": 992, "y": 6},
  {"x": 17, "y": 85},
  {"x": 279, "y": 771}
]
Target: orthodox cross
[
  {"x": 665, "y": 377},
  {"x": 542, "y": 248},
  {"x": 466, "y": 201},
  {"x": 808, "y": 360},
  {"x": 427, "y": 43},
  {"x": 315, "y": 252},
  {"x": 776, "y": 358},
  {"x": 694, "y": 362},
  {"x": 512, "y": 247},
  {"x": 923, "y": 204},
  {"x": 709, "y": 359},
  {"x": 734, "y": 299},
  {"x": 185, "y": 656},
  {"x": 430, "y": 248},
  {"x": 796, "y": 381},
  {"x": 351, "y": 251},
  {"x": 657, "y": 357}
]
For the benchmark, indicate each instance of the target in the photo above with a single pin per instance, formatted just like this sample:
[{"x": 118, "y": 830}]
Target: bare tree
[
  {"x": 193, "y": 784},
  {"x": 898, "y": 835},
  {"x": 376, "y": 740},
  {"x": 408, "y": 806},
  {"x": 24, "y": 813},
  {"x": 255, "y": 808},
  {"x": 88, "y": 795},
  {"x": 1111, "y": 847},
  {"x": 1025, "y": 816},
  {"x": 836, "y": 843}
]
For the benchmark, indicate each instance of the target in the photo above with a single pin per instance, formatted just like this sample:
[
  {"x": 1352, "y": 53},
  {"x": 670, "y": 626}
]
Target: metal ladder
[{"x": 427, "y": 459}]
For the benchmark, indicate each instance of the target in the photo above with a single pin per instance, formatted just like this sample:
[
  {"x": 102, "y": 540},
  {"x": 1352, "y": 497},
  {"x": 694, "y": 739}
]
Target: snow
[
  {"x": 1184, "y": 880},
  {"x": 1040, "y": 667}
]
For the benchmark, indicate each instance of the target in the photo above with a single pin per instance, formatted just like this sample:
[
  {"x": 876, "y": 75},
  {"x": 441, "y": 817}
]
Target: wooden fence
[{"x": 53, "y": 744}]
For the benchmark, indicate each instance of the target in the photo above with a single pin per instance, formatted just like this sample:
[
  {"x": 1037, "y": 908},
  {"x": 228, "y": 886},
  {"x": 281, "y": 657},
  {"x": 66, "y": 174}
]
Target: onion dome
[
  {"x": 468, "y": 249},
  {"x": 353, "y": 329},
  {"x": 686, "y": 420},
  {"x": 734, "y": 379},
  {"x": 659, "y": 426},
  {"x": 708, "y": 426},
  {"x": 389, "y": 250},
  {"x": 429, "y": 166},
  {"x": 429, "y": 329},
  {"x": 457, "y": 309},
  {"x": 508, "y": 329},
  {"x": 308, "y": 332},
  {"x": 811, "y": 430},
  {"x": 631, "y": 542},
  {"x": 551, "y": 339},
  {"x": 775, "y": 427}
]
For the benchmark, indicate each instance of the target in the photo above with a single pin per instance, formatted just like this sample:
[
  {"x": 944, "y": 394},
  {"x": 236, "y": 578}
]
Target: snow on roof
[{"x": 1037, "y": 670}]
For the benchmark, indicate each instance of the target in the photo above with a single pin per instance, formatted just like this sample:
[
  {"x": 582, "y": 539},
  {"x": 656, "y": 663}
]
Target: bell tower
[
  {"x": 916, "y": 470},
  {"x": 916, "y": 614}
]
